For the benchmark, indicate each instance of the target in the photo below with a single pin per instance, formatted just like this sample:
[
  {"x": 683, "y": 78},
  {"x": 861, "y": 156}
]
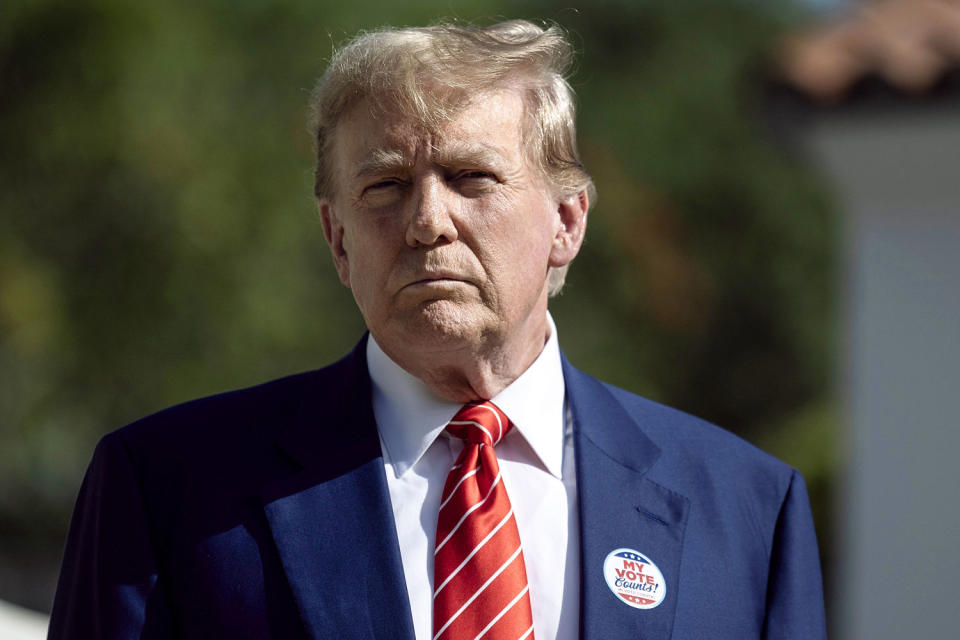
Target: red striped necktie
[{"x": 480, "y": 580}]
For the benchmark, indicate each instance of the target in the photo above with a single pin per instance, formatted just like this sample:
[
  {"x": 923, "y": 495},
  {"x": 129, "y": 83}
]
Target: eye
[
  {"x": 386, "y": 183},
  {"x": 383, "y": 188},
  {"x": 474, "y": 183},
  {"x": 476, "y": 174}
]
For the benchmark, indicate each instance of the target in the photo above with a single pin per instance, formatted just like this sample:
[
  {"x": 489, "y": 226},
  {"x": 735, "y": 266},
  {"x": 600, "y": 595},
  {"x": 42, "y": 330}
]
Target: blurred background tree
[{"x": 158, "y": 239}]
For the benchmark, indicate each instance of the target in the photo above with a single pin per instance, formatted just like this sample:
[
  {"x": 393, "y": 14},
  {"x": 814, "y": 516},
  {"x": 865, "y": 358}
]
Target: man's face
[{"x": 445, "y": 239}]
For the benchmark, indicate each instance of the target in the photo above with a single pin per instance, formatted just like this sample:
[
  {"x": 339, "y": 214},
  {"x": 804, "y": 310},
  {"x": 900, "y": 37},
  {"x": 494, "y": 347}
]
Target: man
[{"x": 454, "y": 476}]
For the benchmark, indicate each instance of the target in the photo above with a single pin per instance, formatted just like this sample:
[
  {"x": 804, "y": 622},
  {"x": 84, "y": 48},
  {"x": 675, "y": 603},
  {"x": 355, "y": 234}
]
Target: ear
[
  {"x": 571, "y": 227},
  {"x": 333, "y": 232}
]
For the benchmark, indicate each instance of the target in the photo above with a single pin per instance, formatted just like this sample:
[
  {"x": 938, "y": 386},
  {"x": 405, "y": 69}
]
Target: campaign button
[{"x": 634, "y": 579}]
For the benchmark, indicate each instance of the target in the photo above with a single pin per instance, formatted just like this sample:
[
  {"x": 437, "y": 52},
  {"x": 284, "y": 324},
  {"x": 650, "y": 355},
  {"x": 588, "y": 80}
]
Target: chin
[{"x": 441, "y": 323}]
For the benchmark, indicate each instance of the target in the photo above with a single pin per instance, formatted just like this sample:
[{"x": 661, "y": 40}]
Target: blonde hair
[{"x": 428, "y": 73}]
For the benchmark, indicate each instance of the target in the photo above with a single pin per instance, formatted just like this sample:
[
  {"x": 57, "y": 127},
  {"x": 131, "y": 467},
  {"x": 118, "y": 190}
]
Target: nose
[{"x": 431, "y": 221}]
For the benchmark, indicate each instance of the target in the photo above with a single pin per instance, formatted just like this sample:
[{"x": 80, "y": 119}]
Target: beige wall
[{"x": 897, "y": 174}]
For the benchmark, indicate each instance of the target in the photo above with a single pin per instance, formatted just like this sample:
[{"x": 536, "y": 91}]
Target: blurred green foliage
[{"x": 158, "y": 239}]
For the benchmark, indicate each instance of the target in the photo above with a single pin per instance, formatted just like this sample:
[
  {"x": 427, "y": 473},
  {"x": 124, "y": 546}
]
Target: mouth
[{"x": 437, "y": 279}]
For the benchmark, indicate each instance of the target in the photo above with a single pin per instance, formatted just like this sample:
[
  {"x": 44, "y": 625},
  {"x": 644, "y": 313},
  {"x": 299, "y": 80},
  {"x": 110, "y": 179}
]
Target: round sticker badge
[{"x": 634, "y": 579}]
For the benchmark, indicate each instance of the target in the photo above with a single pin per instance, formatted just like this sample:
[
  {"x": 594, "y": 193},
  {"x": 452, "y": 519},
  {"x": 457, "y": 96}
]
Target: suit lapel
[
  {"x": 334, "y": 530},
  {"x": 620, "y": 507},
  {"x": 332, "y": 521}
]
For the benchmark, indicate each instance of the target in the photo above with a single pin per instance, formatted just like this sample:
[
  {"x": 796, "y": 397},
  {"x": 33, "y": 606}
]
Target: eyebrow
[
  {"x": 382, "y": 161},
  {"x": 478, "y": 154},
  {"x": 448, "y": 154}
]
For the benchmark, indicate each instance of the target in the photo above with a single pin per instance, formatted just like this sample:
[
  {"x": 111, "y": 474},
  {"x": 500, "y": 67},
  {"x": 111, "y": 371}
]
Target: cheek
[
  {"x": 532, "y": 231},
  {"x": 369, "y": 235},
  {"x": 525, "y": 220},
  {"x": 367, "y": 256},
  {"x": 519, "y": 252}
]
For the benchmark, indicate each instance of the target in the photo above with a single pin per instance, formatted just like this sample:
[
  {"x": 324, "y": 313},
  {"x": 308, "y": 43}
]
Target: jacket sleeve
[
  {"x": 795, "y": 587},
  {"x": 108, "y": 584}
]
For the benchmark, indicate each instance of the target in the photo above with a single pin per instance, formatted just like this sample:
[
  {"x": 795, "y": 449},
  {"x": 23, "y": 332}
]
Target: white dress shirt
[{"x": 536, "y": 460}]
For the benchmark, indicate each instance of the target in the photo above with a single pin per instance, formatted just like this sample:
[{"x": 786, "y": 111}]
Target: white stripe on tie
[
  {"x": 477, "y": 425},
  {"x": 474, "y": 552},
  {"x": 469, "y": 511},
  {"x": 502, "y": 612},
  {"x": 495, "y": 415},
  {"x": 454, "y": 490},
  {"x": 486, "y": 584}
]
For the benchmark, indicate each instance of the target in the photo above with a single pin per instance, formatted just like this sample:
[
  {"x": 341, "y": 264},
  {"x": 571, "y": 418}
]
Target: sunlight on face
[{"x": 445, "y": 239}]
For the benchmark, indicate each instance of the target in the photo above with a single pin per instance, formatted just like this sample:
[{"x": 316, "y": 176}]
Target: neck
[{"x": 472, "y": 371}]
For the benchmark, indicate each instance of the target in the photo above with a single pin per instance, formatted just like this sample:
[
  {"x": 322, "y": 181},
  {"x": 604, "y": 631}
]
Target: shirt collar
[{"x": 410, "y": 416}]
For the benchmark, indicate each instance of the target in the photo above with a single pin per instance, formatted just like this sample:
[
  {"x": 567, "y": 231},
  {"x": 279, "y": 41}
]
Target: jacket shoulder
[
  {"x": 697, "y": 440},
  {"x": 232, "y": 410},
  {"x": 730, "y": 482},
  {"x": 225, "y": 444},
  {"x": 238, "y": 415}
]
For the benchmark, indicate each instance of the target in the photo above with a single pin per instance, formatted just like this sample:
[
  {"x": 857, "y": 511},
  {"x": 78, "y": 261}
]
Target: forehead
[{"x": 488, "y": 127}]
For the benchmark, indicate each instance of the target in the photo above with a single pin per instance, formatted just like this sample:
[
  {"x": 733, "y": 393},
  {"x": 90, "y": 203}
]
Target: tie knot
[{"x": 479, "y": 423}]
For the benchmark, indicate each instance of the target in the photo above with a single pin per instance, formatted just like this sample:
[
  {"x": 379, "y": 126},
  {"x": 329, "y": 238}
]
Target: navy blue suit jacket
[{"x": 264, "y": 513}]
